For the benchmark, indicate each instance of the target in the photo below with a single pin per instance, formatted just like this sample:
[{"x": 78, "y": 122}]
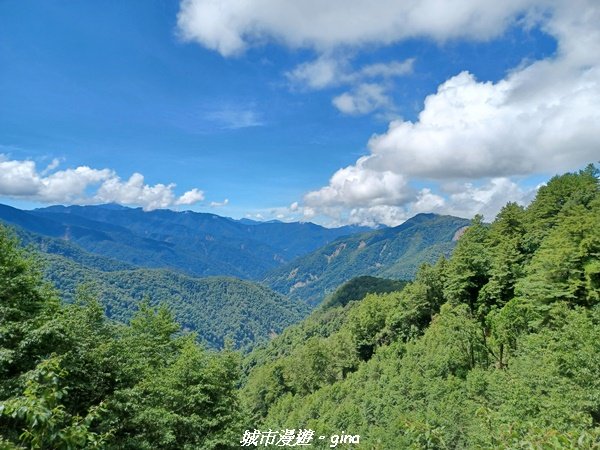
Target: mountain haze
[
  {"x": 393, "y": 253},
  {"x": 198, "y": 244}
]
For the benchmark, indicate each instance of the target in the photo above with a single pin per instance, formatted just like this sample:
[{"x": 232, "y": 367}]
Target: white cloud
[
  {"x": 191, "y": 197},
  {"x": 231, "y": 26},
  {"x": 541, "y": 118},
  {"x": 323, "y": 72},
  {"x": 466, "y": 200},
  {"x": 219, "y": 204},
  {"x": 364, "y": 99},
  {"x": 50, "y": 167},
  {"x": 389, "y": 70},
  {"x": 357, "y": 185},
  {"x": 370, "y": 84},
  {"x": 20, "y": 179},
  {"x": 329, "y": 70}
]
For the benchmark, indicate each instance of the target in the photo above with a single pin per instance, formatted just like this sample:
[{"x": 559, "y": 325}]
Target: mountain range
[
  {"x": 198, "y": 244},
  {"x": 221, "y": 278},
  {"x": 394, "y": 253}
]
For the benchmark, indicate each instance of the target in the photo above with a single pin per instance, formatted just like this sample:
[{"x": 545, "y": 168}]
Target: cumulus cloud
[
  {"x": 464, "y": 200},
  {"x": 231, "y": 26},
  {"x": 20, "y": 179},
  {"x": 191, "y": 197},
  {"x": 325, "y": 71},
  {"x": 541, "y": 118},
  {"x": 357, "y": 185},
  {"x": 474, "y": 135}
]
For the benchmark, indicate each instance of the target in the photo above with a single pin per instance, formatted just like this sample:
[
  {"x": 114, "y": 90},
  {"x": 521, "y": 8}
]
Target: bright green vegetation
[
  {"x": 357, "y": 288},
  {"x": 496, "y": 347},
  {"x": 390, "y": 253},
  {"x": 71, "y": 379}
]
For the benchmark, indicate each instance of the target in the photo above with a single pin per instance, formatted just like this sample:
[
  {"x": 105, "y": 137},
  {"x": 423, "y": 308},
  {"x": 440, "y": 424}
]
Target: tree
[
  {"x": 39, "y": 419},
  {"x": 27, "y": 305},
  {"x": 467, "y": 271}
]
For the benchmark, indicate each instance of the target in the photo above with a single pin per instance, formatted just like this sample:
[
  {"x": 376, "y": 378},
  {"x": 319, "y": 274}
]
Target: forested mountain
[
  {"x": 216, "y": 308},
  {"x": 390, "y": 253},
  {"x": 496, "y": 347},
  {"x": 194, "y": 243}
]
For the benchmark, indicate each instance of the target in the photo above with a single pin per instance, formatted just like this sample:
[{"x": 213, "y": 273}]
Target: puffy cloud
[
  {"x": 358, "y": 186},
  {"x": 231, "y": 26},
  {"x": 541, "y": 118},
  {"x": 464, "y": 200},
  {"x": 486, "y": 199},
  {"x": 18, "y": 178},
  {"x": 22, "y": 180},
  {"x": 191, "y": 197},
  {"x": 321, "y": 73},
  {"x": 370, "y": 84}
]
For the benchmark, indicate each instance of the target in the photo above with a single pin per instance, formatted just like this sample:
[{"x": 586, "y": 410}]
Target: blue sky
[{"x": 262, "y": 110}]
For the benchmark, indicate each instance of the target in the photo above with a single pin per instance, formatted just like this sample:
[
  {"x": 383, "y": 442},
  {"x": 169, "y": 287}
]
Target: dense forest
[
  {"x": 216, "y": 308},
  {"x": 496, "y": 347}
]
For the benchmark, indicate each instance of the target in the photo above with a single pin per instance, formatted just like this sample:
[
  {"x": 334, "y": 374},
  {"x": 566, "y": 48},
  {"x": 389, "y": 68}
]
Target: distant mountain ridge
[
  {"x": 216, "y": 308},
  {"x": 198, "y": 244},
  {"x": 394, "y": 253}
]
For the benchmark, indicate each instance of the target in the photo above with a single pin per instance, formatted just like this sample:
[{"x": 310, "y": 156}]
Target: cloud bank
[
  {"x": 232, "y": 26},
  {"x": 539, "y": 118},
  {"x": 472, "y": 139},
  {"x": 20, "y": 179}
]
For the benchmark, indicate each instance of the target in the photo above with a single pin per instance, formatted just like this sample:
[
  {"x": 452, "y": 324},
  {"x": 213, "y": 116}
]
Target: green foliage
[
  {"x": 216, "y": 308},
  {"x": 358, "y": 287},
  {"x": 72, "y": 379},
  {"x": 497, "y": 347},
  {"x": 26, "y": 305},
  {"x": 44, "y": 419},
  {"x": 467, "y": 270},
  {"x": 567, "y": 263}
]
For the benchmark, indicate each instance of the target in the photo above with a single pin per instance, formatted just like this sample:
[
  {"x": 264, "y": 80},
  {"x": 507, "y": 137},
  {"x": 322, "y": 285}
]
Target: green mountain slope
[
  {"x": 216, "y": 307},
  {"x": 496, "y": 347},
  {"x": 391, "y": 253}
]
